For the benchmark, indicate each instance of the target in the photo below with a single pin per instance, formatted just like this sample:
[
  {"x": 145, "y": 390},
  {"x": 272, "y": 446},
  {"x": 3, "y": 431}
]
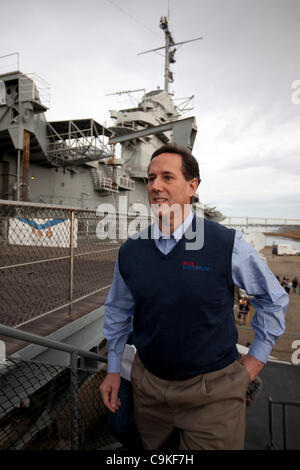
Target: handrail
[
  {"x": 40, "y": 205},
  {"x": 290, "y": 403},
  {"x": 49, "y": 343},
  {"x": 272, "y": 444},
  {"x": 74, "y": 353}
]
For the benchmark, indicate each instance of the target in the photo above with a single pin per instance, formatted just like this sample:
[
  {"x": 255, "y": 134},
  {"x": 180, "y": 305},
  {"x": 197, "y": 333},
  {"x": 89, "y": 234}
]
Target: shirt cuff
[
  {"x": 114, "y": 363},
  {"x": 260, "y": 350}
]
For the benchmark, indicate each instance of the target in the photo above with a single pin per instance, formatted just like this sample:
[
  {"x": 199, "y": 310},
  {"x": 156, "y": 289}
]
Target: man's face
[{"x": 166, "y": 183}]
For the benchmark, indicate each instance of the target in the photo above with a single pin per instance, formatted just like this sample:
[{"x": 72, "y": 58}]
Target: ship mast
[
  {"x": 169, "y": 55},
  {"x": 169, "y": 50}
]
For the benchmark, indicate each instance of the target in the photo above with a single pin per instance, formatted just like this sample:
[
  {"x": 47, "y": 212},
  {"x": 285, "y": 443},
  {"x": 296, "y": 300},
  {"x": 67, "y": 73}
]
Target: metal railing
[
  {"x": 53, "y": 256},
  {"x": 77, "y": 142},
  {"x": 9, "y": 63},
  {"x": 34, "y": 88},
  {"x": 284, "y": 404},
  {"x": 234, "y": 221},
  {"x": 45, "y": 406}
]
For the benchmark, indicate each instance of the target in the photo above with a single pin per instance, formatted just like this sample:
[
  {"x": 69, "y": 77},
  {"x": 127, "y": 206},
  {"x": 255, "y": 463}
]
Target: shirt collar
[{"x": 178, "y": 233}]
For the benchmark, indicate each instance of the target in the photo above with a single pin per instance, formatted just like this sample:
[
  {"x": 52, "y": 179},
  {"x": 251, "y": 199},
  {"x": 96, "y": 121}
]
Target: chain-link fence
[
  {"x": 52, "y": 406},
  {"x": 37, "y": 408},
  {"x": 51, "y": 257}
]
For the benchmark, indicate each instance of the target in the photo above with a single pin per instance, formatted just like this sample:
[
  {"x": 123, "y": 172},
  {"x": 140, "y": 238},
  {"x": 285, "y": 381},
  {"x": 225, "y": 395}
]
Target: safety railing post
[
  {"x": 284, "y": 425},
  {"x": 74, "y": 402},
  {"x": 270, "y": 423},
  {"x": 71, "y": 265}
]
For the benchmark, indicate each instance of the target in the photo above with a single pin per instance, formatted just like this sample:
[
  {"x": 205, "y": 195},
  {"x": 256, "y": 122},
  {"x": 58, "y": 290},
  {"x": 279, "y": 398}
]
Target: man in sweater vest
[{"x": 173, "y": 288}]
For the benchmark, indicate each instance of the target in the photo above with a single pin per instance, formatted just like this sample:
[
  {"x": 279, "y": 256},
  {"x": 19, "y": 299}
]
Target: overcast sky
[{"x": 241, "y": 73}]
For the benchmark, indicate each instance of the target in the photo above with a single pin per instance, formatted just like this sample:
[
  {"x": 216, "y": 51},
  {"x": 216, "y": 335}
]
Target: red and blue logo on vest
[{"x": 191, "y": 266}]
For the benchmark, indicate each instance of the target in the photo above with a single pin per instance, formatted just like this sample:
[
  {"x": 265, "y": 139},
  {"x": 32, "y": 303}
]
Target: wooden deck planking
[{"x": 53, "y": 321}]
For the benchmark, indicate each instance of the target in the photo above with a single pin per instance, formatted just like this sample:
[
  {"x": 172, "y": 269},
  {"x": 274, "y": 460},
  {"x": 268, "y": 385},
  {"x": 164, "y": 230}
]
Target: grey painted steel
[
  {"x": 167, "y": 59},
  {"x": 18, "y": 174},
  {"x": 73, "y": 172},
  {"x": 175, "y": 44},
  {"x": 2, "y": 93},
  {"x": 67, "y": 164},
  {"x": 83, "y": 333},
  {"x": 182, "y": 129},
  {"x": 48, "y": 343}
]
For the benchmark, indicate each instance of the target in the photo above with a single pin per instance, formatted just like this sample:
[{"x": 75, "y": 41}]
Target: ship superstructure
[{"x": 74, "y": 162}]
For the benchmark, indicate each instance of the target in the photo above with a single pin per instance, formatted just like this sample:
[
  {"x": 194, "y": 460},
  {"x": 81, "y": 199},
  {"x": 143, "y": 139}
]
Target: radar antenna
[
  {"x": 169, "y": 50},
  {"x": 127, "y": 92}
]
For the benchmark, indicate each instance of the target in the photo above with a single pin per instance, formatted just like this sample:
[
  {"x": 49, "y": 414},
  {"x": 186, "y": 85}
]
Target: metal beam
[
  {"x": 25, "y": 165},
  {"x": 188, "y": 123},
  {"x": 163, "y": 47}
]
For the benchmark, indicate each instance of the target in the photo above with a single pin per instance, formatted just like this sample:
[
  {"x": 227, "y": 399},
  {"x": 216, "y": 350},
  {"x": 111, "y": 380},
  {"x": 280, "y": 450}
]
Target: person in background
[
  {"x": 295, "y": 284},
  {"x": 244, "y": 310}
]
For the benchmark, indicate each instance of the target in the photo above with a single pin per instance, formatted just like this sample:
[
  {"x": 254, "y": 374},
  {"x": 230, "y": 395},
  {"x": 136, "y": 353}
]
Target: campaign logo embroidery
[{"x": 191, "y": 266}]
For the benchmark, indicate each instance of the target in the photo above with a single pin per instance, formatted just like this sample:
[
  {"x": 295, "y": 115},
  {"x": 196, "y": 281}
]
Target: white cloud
[{"x": 251, "y": 162}]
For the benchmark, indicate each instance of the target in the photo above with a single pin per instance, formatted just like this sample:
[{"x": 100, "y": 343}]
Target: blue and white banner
[{"x": 41, "y": 232}]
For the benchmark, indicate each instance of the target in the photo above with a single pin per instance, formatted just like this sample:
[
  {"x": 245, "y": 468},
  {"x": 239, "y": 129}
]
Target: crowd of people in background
[
  {"x": 289, "y": 285},
  {"x": 243, "y": 307}
]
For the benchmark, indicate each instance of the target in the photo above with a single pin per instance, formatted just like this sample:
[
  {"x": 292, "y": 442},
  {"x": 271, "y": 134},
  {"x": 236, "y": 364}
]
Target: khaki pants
[{"x": 209, "y": 409}]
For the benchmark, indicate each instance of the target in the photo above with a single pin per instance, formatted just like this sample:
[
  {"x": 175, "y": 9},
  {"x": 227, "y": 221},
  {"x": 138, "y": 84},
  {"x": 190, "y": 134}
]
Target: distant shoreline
[{"x": 294, "y": 234}]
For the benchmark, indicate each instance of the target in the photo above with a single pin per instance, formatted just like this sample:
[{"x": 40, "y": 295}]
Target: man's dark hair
[{"x": 190, "y": 167}]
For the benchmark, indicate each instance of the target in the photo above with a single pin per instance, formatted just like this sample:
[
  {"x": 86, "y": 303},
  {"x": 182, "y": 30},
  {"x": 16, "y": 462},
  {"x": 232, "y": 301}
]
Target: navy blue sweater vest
[{"x": 183, "y": 322}]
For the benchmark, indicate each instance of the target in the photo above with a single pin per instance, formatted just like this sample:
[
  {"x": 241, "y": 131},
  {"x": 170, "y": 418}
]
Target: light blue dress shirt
[{"x": 249, "y": 272}]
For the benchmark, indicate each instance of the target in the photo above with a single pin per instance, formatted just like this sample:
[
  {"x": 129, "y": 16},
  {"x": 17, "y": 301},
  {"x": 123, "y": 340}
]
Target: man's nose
[{"x": 157, "y": 184}]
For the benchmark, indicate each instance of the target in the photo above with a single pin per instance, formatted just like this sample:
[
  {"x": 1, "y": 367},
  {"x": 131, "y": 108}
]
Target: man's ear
[{"x": 193, "y": 186}]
